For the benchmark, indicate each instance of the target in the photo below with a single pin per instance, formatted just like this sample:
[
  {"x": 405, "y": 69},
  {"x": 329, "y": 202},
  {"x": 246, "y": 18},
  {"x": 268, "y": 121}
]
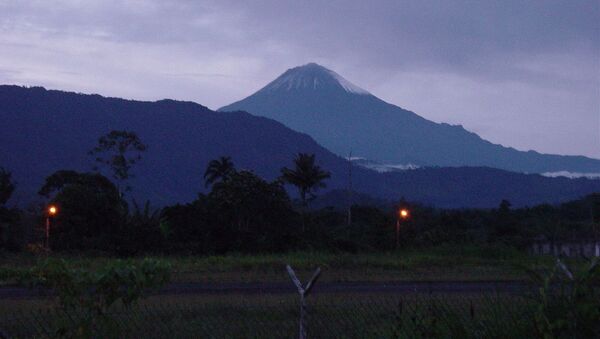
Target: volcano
[{"x": 345, "y": 118}]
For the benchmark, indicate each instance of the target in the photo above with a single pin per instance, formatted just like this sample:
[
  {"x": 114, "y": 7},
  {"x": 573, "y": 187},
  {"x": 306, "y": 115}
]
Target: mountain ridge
[
  {"x": 379, "y": 131},
  {"x": 48, "y": 130}
]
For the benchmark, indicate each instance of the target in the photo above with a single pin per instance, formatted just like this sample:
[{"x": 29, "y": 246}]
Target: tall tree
[
  {"x": 250, "y": 214},
  {"x": 90, "y": 210},
  {"x": 119, "y": 150},
  {"x": 219, "y": 169},
  {"x": 11, "y": 231},
  {"x": 6, "y": 186},
  {"x": 307, "y": 176}
]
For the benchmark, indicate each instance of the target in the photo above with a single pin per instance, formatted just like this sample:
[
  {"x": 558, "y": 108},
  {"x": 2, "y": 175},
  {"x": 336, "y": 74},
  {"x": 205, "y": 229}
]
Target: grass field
[
  {"x": 433, "y": 264},
  {"x": 276, "y": 316},
  {"x": 331, "y": 315}
]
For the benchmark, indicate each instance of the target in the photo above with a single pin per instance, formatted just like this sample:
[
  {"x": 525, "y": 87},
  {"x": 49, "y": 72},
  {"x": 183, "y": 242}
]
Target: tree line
[{"x": 243, "y": 212}]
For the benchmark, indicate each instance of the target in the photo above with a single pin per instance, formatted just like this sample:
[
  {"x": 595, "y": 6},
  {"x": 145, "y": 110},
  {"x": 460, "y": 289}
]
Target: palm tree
[
  {"x": 218, "y": 169},
  {"x": 306, "y": 176}
]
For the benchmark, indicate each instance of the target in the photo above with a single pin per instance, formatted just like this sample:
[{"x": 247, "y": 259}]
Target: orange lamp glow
[
  {"x": 404, "y": 213},
  {"x": 52, "y": 210}
]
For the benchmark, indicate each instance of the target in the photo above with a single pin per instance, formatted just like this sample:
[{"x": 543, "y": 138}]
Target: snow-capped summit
[{"x": 312, "y": 76}]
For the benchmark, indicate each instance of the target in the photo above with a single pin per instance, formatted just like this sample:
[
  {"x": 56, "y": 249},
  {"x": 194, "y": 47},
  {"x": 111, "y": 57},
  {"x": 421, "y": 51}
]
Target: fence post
[{"x": 304, "y": 292}]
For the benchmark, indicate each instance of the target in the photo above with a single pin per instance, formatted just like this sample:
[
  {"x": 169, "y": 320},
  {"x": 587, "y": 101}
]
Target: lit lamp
[
  {"x": 403, "y": 214},
  {"x": 52, "y": 211}
]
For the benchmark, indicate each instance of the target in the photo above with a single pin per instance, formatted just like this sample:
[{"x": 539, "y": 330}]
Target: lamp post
[
  {"x": 403, "y": 214},
  {"x": 52, "y": 211}
]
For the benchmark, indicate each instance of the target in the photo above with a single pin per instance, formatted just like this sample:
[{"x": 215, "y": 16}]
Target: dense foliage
[
  {"x": 6, "y": 186},
  {"x": 246, "y": 213},
  {"x": 567, "y": 302},
  {"x": 90, "y": 211},
  {"x": 10, "y": 225}
]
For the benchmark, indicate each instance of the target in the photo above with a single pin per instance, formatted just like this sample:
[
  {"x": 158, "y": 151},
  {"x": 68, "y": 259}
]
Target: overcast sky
[{"x": 524, "y": 74}]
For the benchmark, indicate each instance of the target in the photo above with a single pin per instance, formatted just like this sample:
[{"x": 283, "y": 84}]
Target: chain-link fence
[{"x": 335, "y": 315}]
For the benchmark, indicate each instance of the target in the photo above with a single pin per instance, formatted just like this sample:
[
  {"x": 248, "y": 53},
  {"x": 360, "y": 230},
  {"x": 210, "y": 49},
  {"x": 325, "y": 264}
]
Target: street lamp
[
  {"x": 52, "y": 211},
  {"x": 403, "y": 214}
]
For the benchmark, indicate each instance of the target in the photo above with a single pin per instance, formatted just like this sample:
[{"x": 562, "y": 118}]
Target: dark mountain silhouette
[
  {"x": 343, "y": 117},
  {"x": 42, "y": 131}
]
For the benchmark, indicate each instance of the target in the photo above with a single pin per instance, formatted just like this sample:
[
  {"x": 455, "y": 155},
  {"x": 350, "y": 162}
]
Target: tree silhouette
[
  {"x": 250, "y": 213},
  {"x": 91, "y": 210},
  {"x": 219, "y": 169},
  {"x": 119, "y": 150},
  {"x": 12, "y": 235},
  {"x": 306, "y": 176},
  {"x": 6, "y": 186},
  {"x": 504, "y": 206}
]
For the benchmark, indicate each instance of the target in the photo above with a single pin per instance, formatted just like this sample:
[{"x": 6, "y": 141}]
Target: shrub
[
  {"x": 568, "y": 304},
  {"x": 87, "y": 295}
]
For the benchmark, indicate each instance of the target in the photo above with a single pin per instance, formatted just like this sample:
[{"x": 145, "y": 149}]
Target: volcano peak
[{"x": 312, "y": 76}]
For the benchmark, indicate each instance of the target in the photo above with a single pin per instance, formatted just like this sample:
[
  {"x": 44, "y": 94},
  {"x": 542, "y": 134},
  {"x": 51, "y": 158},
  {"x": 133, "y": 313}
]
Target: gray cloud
[{"x": 522, "y": 73}]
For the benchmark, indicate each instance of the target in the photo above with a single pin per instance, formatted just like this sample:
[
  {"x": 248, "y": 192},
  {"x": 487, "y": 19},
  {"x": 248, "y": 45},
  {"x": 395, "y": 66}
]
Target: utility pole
[
  {"x": 350, "y": 189},
  {"x": 51, "y": 212}
]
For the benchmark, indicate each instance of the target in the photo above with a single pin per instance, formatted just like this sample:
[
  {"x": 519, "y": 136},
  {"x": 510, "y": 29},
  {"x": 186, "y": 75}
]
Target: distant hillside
[
  {"x": 343, "y": 117},
  {"x": 46, "y": 130}
]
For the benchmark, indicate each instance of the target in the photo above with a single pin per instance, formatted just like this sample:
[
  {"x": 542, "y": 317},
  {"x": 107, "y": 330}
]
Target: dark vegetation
[
  {"x": 246, "y": 213},
  {"x": 11, "y": 230},
  {"x": 88, "y": 296}
]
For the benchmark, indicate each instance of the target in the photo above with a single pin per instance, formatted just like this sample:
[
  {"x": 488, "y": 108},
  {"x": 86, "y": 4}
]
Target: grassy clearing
[
  {"x": 443, "y": 263},
  {"x": 348, "y": 315},
  {"x": 276, "y": 316}
]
